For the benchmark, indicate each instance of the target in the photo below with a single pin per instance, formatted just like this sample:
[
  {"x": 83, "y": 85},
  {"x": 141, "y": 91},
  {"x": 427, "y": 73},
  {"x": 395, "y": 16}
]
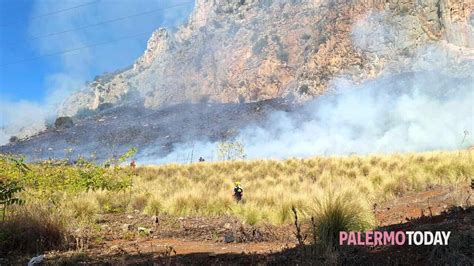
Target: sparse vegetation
[
  {"x": 104, "y": 106},
  {"x": 13, "y": 139},
  {"x": 63, "y": 122},
  {"x": 276, "y": 39},
  {"x": 84, "y": 113},
  {"x": 132, "y": 95},
  {"x": 305, "y": 37},
  {"x": 259, "y": 46},
  {"x": 303, "y": 89},
  {"x": 230, "y": 150},
  {"x": 266, "y": 3},
  {"x": 282, "y": 55}
]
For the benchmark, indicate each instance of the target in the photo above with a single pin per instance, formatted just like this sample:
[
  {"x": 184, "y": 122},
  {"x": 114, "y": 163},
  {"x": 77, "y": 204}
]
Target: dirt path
[
  {"x": 157, "y": 252},
  {"x": 163, "y": 251},
  {"x": 179, "y": 246}
]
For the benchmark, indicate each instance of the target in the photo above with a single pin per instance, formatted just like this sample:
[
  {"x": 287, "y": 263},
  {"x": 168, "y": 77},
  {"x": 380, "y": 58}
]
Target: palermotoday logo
[{"x": 399, "y": 238}]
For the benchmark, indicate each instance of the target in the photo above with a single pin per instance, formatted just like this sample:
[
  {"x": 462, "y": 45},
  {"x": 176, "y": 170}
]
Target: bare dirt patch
[{"x": 413, "y": 205}]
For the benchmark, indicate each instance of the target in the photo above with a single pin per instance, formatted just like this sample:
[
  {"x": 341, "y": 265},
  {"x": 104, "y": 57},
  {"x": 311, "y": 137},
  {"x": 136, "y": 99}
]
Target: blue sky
[
  {"x": 12, "y": 47},
  {"x": 30, "y": 90},
  {"x": 32, "y": 80}
]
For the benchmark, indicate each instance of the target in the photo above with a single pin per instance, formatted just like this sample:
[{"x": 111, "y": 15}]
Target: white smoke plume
[
  {"x": 421, "y": 102},
  {"x": 19, "y": 116}
]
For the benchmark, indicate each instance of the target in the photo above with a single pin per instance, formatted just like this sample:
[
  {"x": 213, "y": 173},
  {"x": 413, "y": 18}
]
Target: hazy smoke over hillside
[
  {"x": 422, "y": 104},
  {"x": 422, "y": 100},
  {"x": 423, "y": 110}
]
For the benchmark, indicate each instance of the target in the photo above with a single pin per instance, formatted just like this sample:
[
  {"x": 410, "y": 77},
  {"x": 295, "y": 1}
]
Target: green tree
[
  {"x": 230, "y": 150},
  {"x": 8, "y": 190}
]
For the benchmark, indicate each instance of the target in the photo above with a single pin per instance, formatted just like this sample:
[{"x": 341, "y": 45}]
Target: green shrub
[
  {"x": 333, "y": 213},
  {"x": 303, "y": 89},
  {"x": 8, "y": 189},
  {"x": 63, "y": 122},
  {"x": 49, "y": 180}
]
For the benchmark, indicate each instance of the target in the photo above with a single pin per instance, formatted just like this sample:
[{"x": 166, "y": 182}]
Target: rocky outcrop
[
  {"x": 156, "y": 46},
  {"x": 249, "y": 50}
]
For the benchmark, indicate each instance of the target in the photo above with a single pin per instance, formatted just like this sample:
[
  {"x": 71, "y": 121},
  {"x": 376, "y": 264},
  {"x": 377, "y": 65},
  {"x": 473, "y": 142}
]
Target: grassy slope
[
  {"x": 338, "y": 191},
  {"x": 271, "y": 187}
]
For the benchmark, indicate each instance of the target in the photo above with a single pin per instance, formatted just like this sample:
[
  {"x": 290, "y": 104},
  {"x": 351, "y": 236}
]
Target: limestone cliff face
[{"x": 250, "y": 50}]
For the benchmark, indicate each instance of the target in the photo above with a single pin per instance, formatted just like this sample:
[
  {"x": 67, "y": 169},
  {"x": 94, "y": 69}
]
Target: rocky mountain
[
  {"x": 236, "y": 62},
  {"x": 252, "y": 50}
]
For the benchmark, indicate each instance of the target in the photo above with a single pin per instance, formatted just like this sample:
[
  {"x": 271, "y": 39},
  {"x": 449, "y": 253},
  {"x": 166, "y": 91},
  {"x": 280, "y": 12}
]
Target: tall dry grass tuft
[
  {"x": 153, "y": 207},
  {"x": 338, "y": 211},
  {"x": 82, "y": 208},
  {"x": 32, "y": 229},
  {"x": 140, "y": 201}
]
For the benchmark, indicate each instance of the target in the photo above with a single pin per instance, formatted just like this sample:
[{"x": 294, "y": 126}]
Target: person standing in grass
[{"x": 238, "y": 192}]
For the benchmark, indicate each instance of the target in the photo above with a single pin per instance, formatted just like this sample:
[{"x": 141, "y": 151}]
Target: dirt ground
[{"x": 139, "y": 239}]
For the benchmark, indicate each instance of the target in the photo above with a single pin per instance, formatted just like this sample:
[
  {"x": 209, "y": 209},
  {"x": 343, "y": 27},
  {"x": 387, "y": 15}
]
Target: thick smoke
[
  {"x": 427, "y": 107},
  {"x": 421, "y": 102},
  {"x": 397, "y": 114},
  {"x": 414, "y": 111}
]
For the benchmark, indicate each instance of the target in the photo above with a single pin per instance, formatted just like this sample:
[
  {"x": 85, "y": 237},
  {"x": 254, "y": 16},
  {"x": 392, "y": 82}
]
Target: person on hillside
[
  {"x": 201, "y": 159},
  {"x": 238, "y": 192}
]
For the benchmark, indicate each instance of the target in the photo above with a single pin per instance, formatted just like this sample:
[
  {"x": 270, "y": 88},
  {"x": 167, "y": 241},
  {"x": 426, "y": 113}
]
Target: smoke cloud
[
  {"x": 420, "y": 102},
  {"x": 413, "y": 111}
]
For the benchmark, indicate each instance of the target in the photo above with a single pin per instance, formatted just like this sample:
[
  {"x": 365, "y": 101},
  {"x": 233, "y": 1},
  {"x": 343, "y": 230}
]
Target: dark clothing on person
[{"x": 238, "y": 191}]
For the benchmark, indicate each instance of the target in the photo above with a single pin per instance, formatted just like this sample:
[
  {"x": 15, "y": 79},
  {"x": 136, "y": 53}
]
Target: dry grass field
[
  {"x": 271, "y": 188},
  {"x": 61, "y": 198}
]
